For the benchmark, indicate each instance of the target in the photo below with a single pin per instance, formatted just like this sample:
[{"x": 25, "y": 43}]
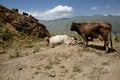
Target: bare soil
[{"x": 64, "y": 62}]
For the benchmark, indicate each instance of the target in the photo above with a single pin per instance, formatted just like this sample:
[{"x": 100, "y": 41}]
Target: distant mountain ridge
[{"x": 63, "y": 25}]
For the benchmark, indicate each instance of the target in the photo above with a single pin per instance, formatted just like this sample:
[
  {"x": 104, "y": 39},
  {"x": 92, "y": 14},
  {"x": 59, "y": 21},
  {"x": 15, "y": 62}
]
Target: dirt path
[{"x": 64, "y": 63}]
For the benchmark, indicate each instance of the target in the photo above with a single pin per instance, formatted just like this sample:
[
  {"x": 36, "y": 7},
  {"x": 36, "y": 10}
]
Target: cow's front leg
[{"x": 84, "y": 40}]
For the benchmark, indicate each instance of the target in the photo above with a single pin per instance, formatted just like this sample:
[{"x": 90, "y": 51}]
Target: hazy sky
[{"x": 54, "y": 9}]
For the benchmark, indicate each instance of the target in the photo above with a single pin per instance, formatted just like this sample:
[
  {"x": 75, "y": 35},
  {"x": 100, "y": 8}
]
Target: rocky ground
[{"x": 64, "y": 62}]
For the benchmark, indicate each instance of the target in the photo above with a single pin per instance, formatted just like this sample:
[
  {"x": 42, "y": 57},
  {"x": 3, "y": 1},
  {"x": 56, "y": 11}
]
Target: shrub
[{"x": 5, "y": 34}]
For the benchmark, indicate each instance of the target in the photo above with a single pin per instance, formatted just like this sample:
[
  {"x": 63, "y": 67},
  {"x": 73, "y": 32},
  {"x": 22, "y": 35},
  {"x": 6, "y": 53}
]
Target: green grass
[
  {"x": 37, "y": 48},
  {"x": 49, "y": 66},
  {"x": 5, "y": 34},
  {"x": 105, "y": 63}
]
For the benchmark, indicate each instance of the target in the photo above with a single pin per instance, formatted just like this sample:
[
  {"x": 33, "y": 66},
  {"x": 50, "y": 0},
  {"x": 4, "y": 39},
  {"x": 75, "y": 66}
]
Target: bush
[{"x": 5, "y": 34}]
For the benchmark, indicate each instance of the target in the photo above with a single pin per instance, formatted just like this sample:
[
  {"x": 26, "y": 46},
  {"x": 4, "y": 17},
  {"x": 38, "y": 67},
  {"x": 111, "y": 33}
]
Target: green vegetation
[
  {"x": 49, "y": 66},
  {"x": 5, "y": 34},
  {"x": 8, "y": 40},
  {"x": 16, "y": 44},
  {"x": 15, "y": 27},
  {"x": 6, "y": 37},
  {"x": 105, "y": 63},
  {"x": 36, "y": 48}
]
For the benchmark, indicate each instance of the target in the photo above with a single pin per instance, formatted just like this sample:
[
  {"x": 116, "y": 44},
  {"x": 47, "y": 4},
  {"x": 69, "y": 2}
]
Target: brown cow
[{"x": 93, "y": 30}]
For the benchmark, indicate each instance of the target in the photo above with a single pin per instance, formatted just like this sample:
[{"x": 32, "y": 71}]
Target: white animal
[
  {"x": 60, "y": 39},
  {"x": 72, "y": 41}
]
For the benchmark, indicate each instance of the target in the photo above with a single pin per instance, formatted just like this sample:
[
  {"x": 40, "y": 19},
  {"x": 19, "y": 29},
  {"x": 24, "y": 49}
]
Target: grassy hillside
[
  {"x": 19, "y": 32},
  {"x": 63, "y": 25}
]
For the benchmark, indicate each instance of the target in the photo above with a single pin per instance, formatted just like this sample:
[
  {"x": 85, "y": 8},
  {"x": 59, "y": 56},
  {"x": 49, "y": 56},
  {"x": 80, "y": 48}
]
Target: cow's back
[
  {"x": 96, "y": 27},
  {"x": 89, "y": 27},
  {"x": 106, "y": 25}
]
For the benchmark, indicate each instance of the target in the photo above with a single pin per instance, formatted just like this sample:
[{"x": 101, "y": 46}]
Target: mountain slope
[
  {"x": 63, "y": 25},
  {"x": 11, "y": 20}
]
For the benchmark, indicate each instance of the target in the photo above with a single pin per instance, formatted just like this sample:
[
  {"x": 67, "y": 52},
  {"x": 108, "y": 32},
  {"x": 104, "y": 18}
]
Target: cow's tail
[{"x": 111, "y": 44}]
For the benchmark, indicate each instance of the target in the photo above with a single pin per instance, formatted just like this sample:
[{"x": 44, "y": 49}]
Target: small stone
[
  {"x": 2, "y": 52},
  {"x": 62, "y": 66},
  {"x": 20, "y": 68},
  {"x": 52, "y": 74}
]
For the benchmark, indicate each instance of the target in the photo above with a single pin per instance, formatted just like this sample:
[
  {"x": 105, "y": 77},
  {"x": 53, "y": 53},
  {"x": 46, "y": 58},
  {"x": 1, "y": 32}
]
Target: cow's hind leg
[
  {"x": 106, "y": 50},
  {"x": 105, "y": 38}
]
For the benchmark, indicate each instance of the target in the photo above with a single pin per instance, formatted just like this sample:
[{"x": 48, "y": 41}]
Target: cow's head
[{"x": 73, "y": 26}]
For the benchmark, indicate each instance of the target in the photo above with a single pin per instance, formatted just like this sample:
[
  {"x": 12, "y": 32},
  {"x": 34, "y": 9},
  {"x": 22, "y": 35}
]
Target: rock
[{"x": 20, "y": 68}]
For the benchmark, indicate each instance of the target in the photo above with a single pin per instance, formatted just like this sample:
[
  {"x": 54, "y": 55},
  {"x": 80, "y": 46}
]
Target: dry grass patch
[
  {"x": 37, "y": 48},
  {"x": 15, "y": 53}
]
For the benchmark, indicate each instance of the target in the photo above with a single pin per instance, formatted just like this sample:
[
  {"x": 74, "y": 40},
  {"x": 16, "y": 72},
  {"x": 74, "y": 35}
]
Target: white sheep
[{"x": 60, "y": 39}]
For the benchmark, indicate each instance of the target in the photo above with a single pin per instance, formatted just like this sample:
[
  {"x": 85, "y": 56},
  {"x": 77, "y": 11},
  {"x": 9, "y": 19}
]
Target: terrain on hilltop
[{"x": 64, "y": 62}]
